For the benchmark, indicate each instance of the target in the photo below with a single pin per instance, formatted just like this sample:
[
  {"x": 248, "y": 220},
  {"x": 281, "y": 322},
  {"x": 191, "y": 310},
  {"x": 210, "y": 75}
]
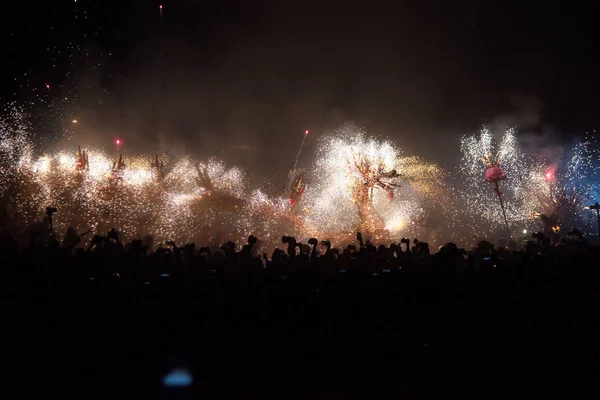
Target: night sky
[{"x": 243, "y": 80}]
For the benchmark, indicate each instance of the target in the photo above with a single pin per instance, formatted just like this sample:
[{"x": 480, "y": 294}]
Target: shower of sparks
[
  {"x": 169, "y": 197},
  {"x": 135, "y": 199},
  {"x": 521, "y": 175},
  {"x": 530, "y": 188},
  {"x": 567, "y": 186},
  {"x": 356, "y": 182},
  {"x": 349, "y": 161},
  {"x": 175, "y": 197}
]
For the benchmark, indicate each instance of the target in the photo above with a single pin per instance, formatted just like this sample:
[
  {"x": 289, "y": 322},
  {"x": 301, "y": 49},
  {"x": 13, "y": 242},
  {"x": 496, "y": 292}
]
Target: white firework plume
[{"x": 347, "y": 161}]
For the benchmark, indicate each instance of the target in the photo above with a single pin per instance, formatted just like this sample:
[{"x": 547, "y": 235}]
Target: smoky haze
[{"x": 242, "y": 81}]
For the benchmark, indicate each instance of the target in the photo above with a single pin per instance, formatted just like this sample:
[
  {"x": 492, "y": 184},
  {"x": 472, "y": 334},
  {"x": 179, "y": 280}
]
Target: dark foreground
[{"x": 503, "y": 331}]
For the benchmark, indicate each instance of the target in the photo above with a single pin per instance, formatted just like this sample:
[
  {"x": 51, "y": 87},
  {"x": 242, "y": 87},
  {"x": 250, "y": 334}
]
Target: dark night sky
[{"x": 232, "y": 76}]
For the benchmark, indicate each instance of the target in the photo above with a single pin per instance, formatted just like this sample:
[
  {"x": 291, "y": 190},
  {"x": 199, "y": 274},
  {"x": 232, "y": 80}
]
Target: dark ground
[{"x": 494, "y": 333}]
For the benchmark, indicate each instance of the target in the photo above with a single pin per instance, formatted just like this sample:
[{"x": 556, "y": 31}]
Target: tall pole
[{"x": 497, "y": 189}]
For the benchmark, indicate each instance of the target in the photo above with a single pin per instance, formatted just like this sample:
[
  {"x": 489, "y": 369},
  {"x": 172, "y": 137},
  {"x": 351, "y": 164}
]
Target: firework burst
[
  {"x": 91, "y": 190},
  {"x": 484, "y": 164},
  {"x": 565, "y": 186},
  {"x": 362, "y": 183}
]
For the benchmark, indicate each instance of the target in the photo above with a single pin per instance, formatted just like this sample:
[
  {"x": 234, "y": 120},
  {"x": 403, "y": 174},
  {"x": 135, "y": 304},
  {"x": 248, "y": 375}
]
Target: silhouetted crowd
[
  {"x": 117, "y": 317},
  {"x": 102, "y": 256}
]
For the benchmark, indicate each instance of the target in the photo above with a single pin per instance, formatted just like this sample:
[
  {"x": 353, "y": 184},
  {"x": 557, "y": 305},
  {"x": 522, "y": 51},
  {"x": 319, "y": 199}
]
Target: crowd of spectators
[{"x": 118, "y": 317}]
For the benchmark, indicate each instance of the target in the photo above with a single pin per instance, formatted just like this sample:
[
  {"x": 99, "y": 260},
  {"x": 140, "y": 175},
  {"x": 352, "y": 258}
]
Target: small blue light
[
  {"x": 164, "y": 275},
  {"x": 146, "y": 283},
  {"x": 178, "y": 378}
]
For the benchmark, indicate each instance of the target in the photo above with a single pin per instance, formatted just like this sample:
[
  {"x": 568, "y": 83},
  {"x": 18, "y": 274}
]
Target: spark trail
[{"x": 300, "y": 150}]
